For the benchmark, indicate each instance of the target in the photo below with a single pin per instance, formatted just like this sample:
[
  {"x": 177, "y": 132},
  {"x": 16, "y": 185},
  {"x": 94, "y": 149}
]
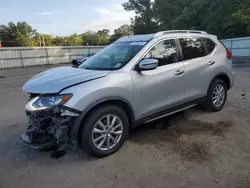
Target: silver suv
[{"x": 135, "y": 80}]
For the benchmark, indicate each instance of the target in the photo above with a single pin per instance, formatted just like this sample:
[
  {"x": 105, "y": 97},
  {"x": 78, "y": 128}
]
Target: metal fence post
[
  {"x": 231, "y": 45},
  {"x": 70, "y": 58},
  {"x": 21, "y": 56},
  {"x": 47, "y": 54}
]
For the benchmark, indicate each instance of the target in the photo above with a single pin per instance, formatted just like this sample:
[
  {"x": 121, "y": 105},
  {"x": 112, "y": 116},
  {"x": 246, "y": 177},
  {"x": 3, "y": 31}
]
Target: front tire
[
  {"x": 216, "y": 96},
  {"x": 104, "y": 131}
]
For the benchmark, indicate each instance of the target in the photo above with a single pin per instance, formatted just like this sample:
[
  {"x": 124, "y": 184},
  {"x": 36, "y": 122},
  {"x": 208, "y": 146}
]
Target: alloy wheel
[
  {"x": 218, "y": 95},
  {"x": 107, "y": 132}
]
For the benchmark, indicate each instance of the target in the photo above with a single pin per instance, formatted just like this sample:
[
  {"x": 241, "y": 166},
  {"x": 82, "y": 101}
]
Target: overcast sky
[{"x": 64, "y": 17}]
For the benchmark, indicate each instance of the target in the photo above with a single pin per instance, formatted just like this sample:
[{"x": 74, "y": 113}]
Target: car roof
[
  {"x": 164, "y": 34},
  {"x": 136, "y": 38}
]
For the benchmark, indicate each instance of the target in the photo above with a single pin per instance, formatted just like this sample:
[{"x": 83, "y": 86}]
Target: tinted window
[
  {"x": 192, "y": 48},
  {"x": 165, "y": 52},
  {"x": 210, "y": 44}
]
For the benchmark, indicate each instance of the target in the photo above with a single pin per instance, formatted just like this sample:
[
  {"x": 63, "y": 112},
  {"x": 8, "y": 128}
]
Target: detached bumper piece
[
  {"x": 37, "y": 141},
  {"x": 49, "y": 129}
]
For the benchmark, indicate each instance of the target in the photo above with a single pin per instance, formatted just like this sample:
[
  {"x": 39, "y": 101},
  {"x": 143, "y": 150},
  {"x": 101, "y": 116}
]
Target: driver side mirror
[{"x": 148, "y": 64}]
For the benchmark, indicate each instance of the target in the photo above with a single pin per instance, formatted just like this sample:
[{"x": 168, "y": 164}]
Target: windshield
[{"x": 114, "y": 56}]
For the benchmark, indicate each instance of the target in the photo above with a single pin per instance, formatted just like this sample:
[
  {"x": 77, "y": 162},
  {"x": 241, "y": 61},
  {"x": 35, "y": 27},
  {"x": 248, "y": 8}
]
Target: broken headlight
[{"x": 45, "y": 102}]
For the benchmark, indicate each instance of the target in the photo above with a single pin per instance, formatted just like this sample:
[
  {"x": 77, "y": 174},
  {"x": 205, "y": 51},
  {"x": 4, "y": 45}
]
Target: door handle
[
  {"x": 211, "y": 62},
  {"x": 179, "y": 72}
]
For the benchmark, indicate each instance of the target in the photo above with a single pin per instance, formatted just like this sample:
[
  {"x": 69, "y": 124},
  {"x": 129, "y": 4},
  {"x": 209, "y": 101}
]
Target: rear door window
[
  {"x": 192, "y": 48},
  {"x": 210, "y": 45}
]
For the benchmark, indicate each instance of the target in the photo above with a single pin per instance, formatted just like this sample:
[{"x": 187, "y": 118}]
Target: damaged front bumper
[{"x": 50, "y": 128}]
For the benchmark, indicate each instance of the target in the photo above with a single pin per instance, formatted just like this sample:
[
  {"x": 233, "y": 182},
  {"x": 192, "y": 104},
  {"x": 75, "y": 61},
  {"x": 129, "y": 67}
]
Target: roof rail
[{"x": 179, "y": 31}]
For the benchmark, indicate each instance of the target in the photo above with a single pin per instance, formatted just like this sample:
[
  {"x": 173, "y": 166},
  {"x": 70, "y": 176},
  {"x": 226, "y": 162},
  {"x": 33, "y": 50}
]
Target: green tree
[
  {"x": 144, "y": 21},
  {"x": 48, "y": 40},
  {"x": 243, "y": 16},
  {"x": 224, "y": 18},
  {"x": 213, "y": 16},
  {"x": 24, "y": 34},
  {"x": 19, "y": 34},
  {"x": 166, "y": 11},
  {"x": 100, "y": 37},
  {"x": 73, "y": 40},
  {"x": 8, "y": 34},
  {"x": 57, "y": 41},
  {"x": 89, "y": 38},
  {"x": 124, "y": 30},
  {"x": 43, "y": 39},
  {"x": 104, "y": 32},
  {"x": 103, "y": 36}
]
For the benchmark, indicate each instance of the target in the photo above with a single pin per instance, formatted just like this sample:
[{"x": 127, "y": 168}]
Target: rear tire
[
  {"x": 216, "y": 96},
  {"x": 97, "y": 131}
]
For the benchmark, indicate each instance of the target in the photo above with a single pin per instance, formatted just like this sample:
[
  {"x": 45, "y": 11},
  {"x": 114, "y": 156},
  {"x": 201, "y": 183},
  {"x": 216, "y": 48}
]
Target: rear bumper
[{"x": 232, "y": 80}]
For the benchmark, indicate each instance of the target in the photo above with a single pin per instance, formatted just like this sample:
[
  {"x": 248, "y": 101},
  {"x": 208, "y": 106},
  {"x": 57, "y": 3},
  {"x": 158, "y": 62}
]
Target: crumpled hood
[{"x": 56, "y": 79}]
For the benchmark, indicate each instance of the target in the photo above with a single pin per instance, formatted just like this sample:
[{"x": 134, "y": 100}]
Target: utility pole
[
  {"x": 40, "y": 42},
  {"x": 43, "y": 41},
  {"x": 27, "y": 35}
]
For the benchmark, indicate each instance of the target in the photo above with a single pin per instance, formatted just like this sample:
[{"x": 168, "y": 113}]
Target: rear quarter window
[
  {"x": 192, "y": 48},
  {"x": 210, "y": 45}
]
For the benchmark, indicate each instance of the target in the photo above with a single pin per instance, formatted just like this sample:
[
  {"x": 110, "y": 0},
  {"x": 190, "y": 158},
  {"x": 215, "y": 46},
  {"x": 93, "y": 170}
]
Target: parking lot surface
[{"x": 190, "y": 149}]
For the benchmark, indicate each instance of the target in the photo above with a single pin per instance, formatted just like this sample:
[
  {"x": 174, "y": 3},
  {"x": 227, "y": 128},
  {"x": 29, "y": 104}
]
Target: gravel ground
[{"x": 190, "y": 149}]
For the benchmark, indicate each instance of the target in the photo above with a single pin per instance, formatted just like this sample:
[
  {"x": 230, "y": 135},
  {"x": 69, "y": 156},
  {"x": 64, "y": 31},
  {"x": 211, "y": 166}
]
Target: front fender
[
  {"x": 74, "y": 132},
  {"x": 88, "y": 95}
]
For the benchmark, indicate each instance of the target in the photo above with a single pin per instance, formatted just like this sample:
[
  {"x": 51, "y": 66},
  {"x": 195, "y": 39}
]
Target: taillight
[{"x": 229, "y": 54}]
